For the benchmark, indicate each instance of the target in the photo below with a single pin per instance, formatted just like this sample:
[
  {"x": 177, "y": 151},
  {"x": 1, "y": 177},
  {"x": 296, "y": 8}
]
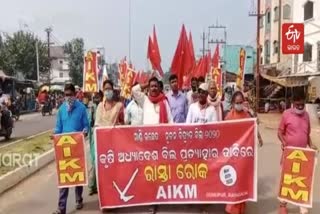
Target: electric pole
[
  {"x": 48, "y": 31},
  {"x": 257, "y": 13},
  {"x": 220, "y": 41},
  {"x": 204, "y": 38},
  {"x": 37, "y": 61}
]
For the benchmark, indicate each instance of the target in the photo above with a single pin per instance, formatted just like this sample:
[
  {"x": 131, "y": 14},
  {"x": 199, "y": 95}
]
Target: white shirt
[
  {"x": 133, "y": 114},
  {"x": 151, "y": 111},
  {"x": 196, "y": 115},
  {"x": 3, "y": 100}
]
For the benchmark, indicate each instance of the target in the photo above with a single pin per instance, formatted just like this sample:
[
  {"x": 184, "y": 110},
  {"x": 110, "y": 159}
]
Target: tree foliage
[
  {"x": 75, "y": 50},
  {"x": 18, "y": 54}
]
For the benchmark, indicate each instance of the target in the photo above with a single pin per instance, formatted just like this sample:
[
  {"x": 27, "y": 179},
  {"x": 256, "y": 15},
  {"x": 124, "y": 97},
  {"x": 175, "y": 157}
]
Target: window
[
  {"x": 261, "y": 60},
  {"x": 261, "y": 22},
  {"x": 268, "y": 17},
  {"x": 286, "y": 11},
  {"x": 60, "y": 61},
  {"x": 61, "y": 75},
  {"x": 276, "y": 14},
  {"x": 275, "y": 47},
  {"x": 267, "y": 52},
  {"x": 308, "y": 10},
  {"x": 307, "y": 55}
]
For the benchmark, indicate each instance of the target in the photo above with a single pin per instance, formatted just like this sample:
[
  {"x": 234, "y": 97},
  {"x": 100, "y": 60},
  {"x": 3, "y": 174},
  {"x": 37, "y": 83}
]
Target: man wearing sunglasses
[
  {"x": 201, "y": 111},
  {"x": 71, "y": 117}
]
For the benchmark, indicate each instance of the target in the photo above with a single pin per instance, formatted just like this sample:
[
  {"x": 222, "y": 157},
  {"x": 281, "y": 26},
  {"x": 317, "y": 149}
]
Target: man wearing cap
[{"x": 201, "y": 111}]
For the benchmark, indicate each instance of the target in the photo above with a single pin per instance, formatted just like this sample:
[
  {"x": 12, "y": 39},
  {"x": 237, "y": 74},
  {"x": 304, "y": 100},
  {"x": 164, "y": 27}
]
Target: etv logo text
[{"x": 292, "y": 38}]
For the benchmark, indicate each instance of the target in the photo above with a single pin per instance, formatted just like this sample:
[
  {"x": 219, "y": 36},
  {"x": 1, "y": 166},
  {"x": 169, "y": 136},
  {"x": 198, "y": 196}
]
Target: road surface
[
  {"x": 30, "y": 124},
  {"x": 38, "y": 194}
]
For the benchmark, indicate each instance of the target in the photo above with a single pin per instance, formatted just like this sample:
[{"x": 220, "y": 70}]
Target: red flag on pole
[
  {"x": 216, "y": 57},
  {"x": 154, "y": 53},
  {"x": 182, "y": 60}
]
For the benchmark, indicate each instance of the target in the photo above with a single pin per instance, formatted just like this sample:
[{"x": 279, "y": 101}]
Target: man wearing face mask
[
  {"x": 202, "y": 111},
  {"x": 156, "y": 109},
  {"x": 72, "y": 117},
  {"x": 215, "y": 100},
  {"x": 193, "y": 93},
  {"x": 294, "y": 130},
  {"x": 227, "y": 103}
]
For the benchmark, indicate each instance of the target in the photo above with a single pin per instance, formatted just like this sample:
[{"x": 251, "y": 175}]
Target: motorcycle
[
  {"x": 15, "y": 109},
  {"x": 46, "y": 108},
  {"x": 6, "y": 124}
]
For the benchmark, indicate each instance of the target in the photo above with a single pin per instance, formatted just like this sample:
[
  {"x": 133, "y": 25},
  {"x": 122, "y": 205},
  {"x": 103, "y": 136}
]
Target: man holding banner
[
  {"x": 294, "y": 131},
  {"x": 71, "y": 118}
]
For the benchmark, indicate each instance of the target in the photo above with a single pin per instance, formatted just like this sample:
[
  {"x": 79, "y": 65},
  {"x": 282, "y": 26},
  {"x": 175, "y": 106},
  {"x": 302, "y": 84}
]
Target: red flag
[
  {"x": 199, "y": 69},
  {"x": 154, "y": 53},
  {"x": 191, "y": 48},
  {"x": 216, "y": 57},
  {"x": 182, "y": 60}
]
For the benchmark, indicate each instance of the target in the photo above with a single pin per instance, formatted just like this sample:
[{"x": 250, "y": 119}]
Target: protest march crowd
[{"x": 150, "y": 105}]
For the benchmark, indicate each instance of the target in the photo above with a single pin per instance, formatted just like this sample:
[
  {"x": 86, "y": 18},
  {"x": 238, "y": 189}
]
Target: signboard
[
  {"x": 241, "y": 72},
  {"x": 292, "y": 38},
  {"x": 90, "y": 73},
  {"x": 129, "y": 81},
  {"x": 177, "y": 164},
  {"x": 217, "y": 77},
  {"x": 296, "y": 184},
  {"x": 70, "y": 160}
]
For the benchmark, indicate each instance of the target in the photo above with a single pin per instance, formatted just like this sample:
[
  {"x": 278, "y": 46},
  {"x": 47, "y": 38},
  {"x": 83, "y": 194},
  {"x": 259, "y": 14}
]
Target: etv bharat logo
[{"x": 292, "y": 38}]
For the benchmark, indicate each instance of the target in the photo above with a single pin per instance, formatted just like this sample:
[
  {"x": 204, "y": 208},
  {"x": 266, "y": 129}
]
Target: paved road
[
  {"x": 38, "y": 194},
  {"x": 31, "y": 124}
]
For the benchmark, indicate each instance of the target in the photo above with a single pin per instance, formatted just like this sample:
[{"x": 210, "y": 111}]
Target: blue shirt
[
  {"x": 74, "y": 121},
  {"x": 179, "y": 106}
]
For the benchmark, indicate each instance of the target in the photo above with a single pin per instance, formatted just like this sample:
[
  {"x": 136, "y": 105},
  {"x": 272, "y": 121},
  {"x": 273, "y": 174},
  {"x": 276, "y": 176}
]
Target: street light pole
[{"x": 37, "y": 56}]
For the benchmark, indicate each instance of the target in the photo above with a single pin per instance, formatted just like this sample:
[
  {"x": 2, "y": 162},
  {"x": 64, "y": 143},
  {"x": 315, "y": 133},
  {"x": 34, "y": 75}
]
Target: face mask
[
  {"x": 108, "y": 94},
  {"x": 299, "y": 111},
  {"x": 70, "y": 101},
  {"x": 238, "y": 107}
]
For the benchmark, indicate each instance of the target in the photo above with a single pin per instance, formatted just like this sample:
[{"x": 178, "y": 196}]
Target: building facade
[
  {"x": 274, "y": 14},
  {"x": 59, "y": 65},
  {"x": 308, "y": 12}
]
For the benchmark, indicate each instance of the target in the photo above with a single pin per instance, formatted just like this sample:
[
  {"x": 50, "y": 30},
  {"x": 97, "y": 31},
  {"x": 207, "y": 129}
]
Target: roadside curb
[
  {"x": 26, "y": 138},
  {"x": 11, "y": 179}
]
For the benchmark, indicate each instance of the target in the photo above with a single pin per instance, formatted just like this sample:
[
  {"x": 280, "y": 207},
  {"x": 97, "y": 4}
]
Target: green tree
[
  {"x": 75, "y": 50},
  {"x": 18, "y": 54}
]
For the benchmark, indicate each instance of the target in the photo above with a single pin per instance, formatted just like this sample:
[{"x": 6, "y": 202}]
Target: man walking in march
[
  {"x": 177, "y": 101},
  {"x": 71, "y": 117}
]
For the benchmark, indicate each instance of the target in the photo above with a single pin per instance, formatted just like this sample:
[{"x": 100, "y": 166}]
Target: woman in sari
[
  {"x": 90, "y": 112},
  {"x": 109, "y": 112},
  {"x": 237, "y": 112}
]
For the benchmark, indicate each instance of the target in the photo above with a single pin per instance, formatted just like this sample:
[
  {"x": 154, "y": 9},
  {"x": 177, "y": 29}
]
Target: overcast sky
[{"x": 105, "y": 22}]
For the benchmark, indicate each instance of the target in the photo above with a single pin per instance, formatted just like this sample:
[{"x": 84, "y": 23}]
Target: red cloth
[
  {"x": 43, "y": 97},
  {"x": 236, "y": 208},
  {"x": 161, "y": 100},
  {"x": 80, "y": 95}
]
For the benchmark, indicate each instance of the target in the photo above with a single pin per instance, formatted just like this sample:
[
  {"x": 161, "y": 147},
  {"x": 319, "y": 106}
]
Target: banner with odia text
[{"x": 177, "y": 164}]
